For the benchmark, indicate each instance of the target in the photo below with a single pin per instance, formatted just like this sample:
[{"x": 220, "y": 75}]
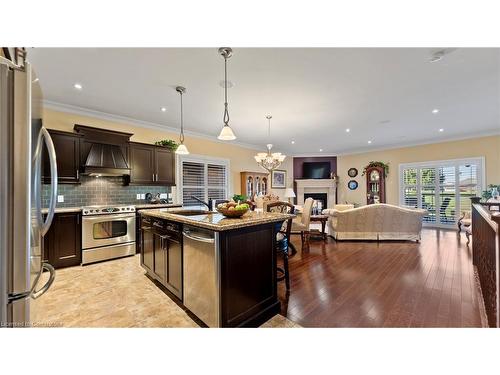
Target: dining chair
[
  {"x": 302, "y": 227},
  {"x": 283, "y": 237}
]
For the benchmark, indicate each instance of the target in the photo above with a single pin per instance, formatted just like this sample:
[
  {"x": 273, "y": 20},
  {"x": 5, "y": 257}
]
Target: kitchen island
[{"x": 222, "y": 270}]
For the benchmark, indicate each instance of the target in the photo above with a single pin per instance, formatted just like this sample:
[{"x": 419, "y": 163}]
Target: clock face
[
  {"x": 352, "y": 172},
  {"x": 352, "y": 185},
  {"x": 374, "y": 176}
]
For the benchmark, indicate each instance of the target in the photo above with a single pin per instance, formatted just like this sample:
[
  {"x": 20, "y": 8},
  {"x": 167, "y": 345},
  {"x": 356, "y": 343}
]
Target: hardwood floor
[{"x": 383, "y": 284}]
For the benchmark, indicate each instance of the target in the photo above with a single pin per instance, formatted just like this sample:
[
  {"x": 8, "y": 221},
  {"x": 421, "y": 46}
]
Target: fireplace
[
  {"x": 320, "y": 197},
  {"x": 318, "y": 189}
]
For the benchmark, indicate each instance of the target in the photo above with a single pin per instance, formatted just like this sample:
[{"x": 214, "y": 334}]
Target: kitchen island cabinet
[{"x": 228, "y": 265}]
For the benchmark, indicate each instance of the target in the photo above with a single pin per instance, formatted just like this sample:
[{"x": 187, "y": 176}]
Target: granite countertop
[
  {"x": 150, "y": 205},
  {"x": 216, "y": 221},
  {"x": 60, "y": 210}
]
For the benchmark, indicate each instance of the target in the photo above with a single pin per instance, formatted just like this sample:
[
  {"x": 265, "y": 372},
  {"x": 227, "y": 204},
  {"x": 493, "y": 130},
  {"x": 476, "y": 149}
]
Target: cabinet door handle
[{"x": 77, "y": 174}]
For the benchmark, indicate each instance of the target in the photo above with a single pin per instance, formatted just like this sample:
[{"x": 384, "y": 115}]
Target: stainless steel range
[{"x": 107, "y": 232}]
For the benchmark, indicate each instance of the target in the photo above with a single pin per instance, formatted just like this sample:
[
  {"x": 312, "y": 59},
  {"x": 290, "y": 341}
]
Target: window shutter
[
  {"x": 204, "y": 180},
  {"x": 217, "y": 181},
  {"x": 193, "y": 183}
]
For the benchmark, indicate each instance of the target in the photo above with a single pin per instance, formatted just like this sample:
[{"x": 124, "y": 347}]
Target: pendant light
[
  {"x": 226, "y": 134},
  {"x": 267, "y": 160},
  {"x": 181, "y": 149}
]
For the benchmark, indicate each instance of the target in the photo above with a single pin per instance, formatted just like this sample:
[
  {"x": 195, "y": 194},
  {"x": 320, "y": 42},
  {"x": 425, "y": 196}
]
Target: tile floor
[{"x": 113, "y": 294}]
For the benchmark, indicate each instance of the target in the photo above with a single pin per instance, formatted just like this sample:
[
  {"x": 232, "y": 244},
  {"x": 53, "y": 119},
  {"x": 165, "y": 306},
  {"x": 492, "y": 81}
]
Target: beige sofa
[{"x": 375, "y": 222}]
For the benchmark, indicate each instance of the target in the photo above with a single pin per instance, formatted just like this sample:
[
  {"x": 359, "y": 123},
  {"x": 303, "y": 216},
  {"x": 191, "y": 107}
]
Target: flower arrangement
[
  {"x": 168, "y": 143},
  {"x": 379, "y": 164},
  {"x": 487, "y": 194}
]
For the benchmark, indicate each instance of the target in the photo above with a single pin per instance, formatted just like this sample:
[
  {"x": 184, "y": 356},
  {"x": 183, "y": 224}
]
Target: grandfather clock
[{"x": 375, "y": 185}]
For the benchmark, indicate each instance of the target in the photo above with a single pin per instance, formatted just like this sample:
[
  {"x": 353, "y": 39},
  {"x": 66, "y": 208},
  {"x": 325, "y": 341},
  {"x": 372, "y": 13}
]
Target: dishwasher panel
[{"x": 201, "y": 274}]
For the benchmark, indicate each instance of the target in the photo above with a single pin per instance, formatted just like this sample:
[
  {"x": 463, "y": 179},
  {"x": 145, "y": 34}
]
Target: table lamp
[{"x": 289, "y": 193}]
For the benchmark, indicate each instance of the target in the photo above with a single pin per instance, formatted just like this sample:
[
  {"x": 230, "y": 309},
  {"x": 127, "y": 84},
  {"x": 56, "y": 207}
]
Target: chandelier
[{"x": 267, "y": 160}]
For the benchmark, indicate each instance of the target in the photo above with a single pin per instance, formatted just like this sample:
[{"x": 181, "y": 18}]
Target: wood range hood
[{"x": 104, "y": 151}]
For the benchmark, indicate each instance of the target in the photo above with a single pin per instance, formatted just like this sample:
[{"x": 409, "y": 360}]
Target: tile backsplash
[{"x": 100, "y": 191}]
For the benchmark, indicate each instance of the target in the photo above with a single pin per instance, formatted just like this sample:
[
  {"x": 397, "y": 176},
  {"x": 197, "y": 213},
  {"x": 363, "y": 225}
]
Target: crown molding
[{"x": 81, "y": 111}]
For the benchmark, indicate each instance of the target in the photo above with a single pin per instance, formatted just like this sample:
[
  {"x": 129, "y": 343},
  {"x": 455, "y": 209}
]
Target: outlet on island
[{"x": 60, "y": 199}]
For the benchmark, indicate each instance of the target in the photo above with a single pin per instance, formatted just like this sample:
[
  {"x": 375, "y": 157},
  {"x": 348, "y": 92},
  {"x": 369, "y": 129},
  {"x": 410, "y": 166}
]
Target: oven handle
[{"x": 107, "y": 217}]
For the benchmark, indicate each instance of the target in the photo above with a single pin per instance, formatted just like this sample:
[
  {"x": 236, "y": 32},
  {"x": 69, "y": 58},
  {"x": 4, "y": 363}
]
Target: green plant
[
  {"x": 487, "y": 193},
  {"x": 377, "y": 164},
  {"x": 239, "y": 197},
  {"x": 168, "y": 143}
]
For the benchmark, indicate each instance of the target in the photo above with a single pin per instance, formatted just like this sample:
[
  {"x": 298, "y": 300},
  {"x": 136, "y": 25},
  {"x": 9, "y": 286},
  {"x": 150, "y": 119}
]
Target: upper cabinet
[
  {"x": 67, "y": 147},
  {"x": 151, "y": 165}
]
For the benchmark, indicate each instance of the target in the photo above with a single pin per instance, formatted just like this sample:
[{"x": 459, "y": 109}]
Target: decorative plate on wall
[
  {"x": 353, "y": 184},
  {"x": 352, "y": 172}
]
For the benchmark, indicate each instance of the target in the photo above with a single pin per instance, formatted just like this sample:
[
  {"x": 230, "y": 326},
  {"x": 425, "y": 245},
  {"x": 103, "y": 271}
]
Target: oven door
[{"x": 107, "y": 230}]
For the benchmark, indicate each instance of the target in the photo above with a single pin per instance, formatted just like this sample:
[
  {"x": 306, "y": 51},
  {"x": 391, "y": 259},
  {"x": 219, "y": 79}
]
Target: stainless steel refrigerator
[{"x": 22, "y": 226}]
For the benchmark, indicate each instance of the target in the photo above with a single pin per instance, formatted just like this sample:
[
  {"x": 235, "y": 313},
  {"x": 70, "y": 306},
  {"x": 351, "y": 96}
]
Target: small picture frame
[
  {"x": 352, "y": 172},
  {"x": 278, "y": 179},
  {"x": 352, "y": 184}
]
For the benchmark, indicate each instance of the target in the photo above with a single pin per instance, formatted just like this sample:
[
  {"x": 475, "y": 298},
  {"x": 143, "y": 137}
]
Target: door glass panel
[
  {"x": 428, "y": 196},
  {"x": 468, "y": 185},
  {"x": 410, "y": 196},
  {"x": 447, "y": 201},
  {"x": 410, "y": 176},
  {"x": 109, "y": 229}
]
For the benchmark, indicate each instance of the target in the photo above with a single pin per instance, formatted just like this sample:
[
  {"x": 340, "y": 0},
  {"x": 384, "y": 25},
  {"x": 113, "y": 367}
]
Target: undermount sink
[{"x": 191, "y": 212}]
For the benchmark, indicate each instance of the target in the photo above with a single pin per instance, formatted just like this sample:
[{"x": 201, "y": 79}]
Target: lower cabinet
[
  {"x": 161, "y": 254},
  {"x": 62, "y": 245}
]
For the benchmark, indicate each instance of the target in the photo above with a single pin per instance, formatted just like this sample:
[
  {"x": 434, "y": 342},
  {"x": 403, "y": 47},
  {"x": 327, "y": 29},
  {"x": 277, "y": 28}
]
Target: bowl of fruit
[{"x": 233, "y": 209}]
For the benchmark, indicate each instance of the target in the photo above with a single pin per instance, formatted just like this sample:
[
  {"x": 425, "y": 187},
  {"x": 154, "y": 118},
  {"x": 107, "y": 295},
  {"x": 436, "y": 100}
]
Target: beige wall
[
  {"x": 488, "y": 147},
  {"x": 241, "y": 158}
]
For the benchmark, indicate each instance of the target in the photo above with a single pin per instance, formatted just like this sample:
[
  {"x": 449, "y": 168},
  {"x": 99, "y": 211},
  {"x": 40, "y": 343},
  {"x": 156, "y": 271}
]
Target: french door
[{"x": 443, "y": 188}]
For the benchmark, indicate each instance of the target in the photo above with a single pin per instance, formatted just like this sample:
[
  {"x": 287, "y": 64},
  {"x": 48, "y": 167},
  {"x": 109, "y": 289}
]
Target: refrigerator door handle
[
  {"x": 44, "y": 136},
  {"x": 52, "y": 275}
]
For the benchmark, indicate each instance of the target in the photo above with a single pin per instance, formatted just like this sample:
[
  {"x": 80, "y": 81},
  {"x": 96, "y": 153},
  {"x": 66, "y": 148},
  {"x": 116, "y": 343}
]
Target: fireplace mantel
[{"x": 316, "y": 186}]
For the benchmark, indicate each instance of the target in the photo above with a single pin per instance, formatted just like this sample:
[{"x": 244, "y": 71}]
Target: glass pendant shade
[
  {"x": 226, "y": 134},
  {"x": 182, "y": 149}
]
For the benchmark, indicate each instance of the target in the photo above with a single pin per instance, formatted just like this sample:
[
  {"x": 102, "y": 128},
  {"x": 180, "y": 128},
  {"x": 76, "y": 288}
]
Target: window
[
  {"x": 443, "y": 188},
  {"x": 202, "y": 178}
]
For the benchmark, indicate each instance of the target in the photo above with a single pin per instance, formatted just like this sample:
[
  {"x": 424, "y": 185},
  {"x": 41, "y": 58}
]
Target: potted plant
[{"x": 168, "y": 143}]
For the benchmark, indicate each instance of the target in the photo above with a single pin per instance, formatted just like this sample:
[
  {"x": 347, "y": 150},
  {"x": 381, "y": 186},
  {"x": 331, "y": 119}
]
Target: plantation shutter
[
  {"x": 204, "y": 180},
  {"x": 443, "y": 188}
]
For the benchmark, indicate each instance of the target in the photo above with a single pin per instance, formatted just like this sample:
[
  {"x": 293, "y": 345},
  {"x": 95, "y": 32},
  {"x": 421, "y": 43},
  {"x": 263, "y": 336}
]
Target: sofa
[{"x": 375, "y": 222}]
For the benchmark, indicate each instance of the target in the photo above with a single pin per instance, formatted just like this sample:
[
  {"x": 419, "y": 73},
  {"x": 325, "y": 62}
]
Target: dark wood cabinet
[
  {"x": 142, "y": 163},
  {"x": 160, "y": 264},
  {"x": 165, "y": 166},
  {"x": 147, "y": 246},
  {"x": 63, "y": 241},
  {"x": 151, "y": 165},
  {"x": 67, "y": 147},
  {"x": 161, "y": 253}
]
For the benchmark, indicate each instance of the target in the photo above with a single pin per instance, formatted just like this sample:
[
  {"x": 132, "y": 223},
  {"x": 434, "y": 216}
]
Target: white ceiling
[{"x": 381, "y": 94}]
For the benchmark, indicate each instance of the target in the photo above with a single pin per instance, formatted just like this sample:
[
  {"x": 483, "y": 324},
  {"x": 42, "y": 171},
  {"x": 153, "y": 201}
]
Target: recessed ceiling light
[
  {"x": 320, "y": 150},
  {"x": 369, "y": 141},
  {"x": 293, "y": 142},
  {"x": 441, "y": 130},
  {"x": 163, "y": 109},
  {"x": 435, "y": 110},
  {"x": 78, "y": 86},
  {"x": 347, "y": 130}
]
